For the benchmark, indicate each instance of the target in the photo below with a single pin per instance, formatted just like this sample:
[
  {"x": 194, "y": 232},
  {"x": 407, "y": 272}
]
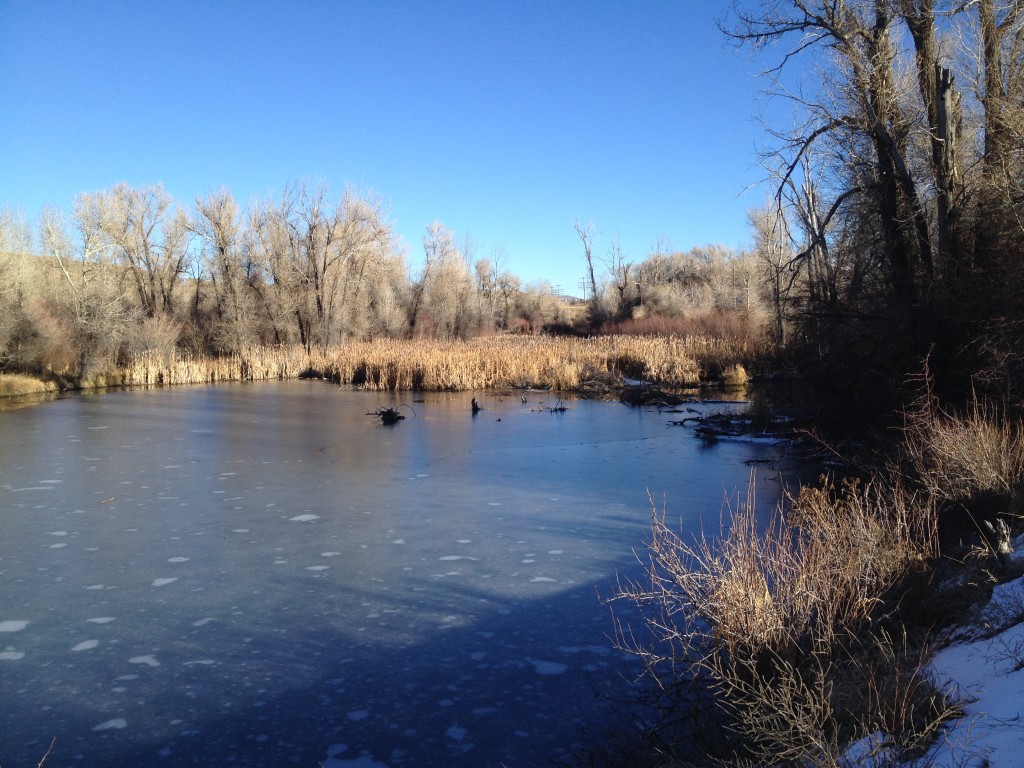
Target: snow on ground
[{"x": 989, "y": 670}]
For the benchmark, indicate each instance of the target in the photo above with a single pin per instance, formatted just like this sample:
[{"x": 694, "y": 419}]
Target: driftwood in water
[
  {"x": 998, "y": 538},
  {"x": 387, "y": 415}
]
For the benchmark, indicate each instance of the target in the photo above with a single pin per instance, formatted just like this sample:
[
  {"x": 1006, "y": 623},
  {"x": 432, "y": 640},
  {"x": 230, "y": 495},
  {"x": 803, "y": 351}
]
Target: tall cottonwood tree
[
  {"x": 148, "y": 239},
  {"x": 903, "y": 210},
  {"x": 90, "y": 296},
  {"x": 218, "y": 223},
  {"x": 15, "y": 244},
  {"x": 318, "y": 257}
]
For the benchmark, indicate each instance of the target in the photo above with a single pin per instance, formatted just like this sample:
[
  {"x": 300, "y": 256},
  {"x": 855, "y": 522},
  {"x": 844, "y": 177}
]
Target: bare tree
[
  {"x": 149, "y": 241},
  {"x": 15, "y": 244},
  {"x": 586, "y": 235},
  {"x": 217, "y": 222},
  {"x": 771, "y": 247},
  {"x": 620, "y": 270},
  {"x": 93, "y": 300}
]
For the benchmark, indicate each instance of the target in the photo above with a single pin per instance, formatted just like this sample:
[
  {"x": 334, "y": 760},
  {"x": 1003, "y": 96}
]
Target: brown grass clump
[
  {"x": 18, "y": 385},
  {"x": 957, "y": 455},
  {"x": 564, "y": 363},
  {"x": 784, "y": 620}
]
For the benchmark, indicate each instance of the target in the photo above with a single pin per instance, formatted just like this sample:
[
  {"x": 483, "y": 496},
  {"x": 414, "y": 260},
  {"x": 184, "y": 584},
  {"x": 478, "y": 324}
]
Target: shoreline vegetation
[{"x": 586, "y": 365}]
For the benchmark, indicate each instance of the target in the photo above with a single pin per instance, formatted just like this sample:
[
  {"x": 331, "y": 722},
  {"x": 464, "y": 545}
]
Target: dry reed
[{"x": 563, "y": 363}]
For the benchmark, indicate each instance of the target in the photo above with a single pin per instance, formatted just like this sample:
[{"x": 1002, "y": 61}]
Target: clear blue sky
[{"x": 507, "y": 121}]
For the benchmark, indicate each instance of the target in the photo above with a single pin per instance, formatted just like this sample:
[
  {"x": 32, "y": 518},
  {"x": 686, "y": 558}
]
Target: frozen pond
[{"x": 264, "y": 575}]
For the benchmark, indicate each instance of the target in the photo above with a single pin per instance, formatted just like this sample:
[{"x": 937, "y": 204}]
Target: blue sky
[{"x": 506, "y": 121}]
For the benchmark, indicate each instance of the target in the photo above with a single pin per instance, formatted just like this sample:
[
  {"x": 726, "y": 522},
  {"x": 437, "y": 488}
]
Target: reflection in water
[{"x": 267, "y": 575}]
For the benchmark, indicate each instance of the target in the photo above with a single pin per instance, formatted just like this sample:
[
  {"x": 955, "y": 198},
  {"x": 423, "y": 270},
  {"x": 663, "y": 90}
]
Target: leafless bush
[
  {"x": 781, "y": 619},
  {"x": 958, "y": 455}
]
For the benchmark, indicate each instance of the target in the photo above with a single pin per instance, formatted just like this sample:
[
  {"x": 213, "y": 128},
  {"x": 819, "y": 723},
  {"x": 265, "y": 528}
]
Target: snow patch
[
  {"x": 548, "y": 667},
  {"x": 116, "y": 724}
]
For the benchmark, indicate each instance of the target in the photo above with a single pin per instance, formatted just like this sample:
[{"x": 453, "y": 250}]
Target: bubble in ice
[
  {"x": 148, "y": 660},
  {"x": 177, "y": 559},
  {"x": 358, "y": 714},
  {"x": 542, "y": 579},
  {"x": 163, "y": 582},
  {"x": 202, "y": 622},
  {"x": 101, "y": 620},
  {"x": 548, "y": 667},
  {"x": 456, "y": 732},
  {"x": 86, "y": 645},
  {"x": 116, "y": 724},
  {"x": 58, "y": 533},
  {"x": 317, "y": 567},
  {"x": 456, "y": 557},
  {"x": 59, "y": 545},
  {"x": 363, "y": 761},
  {"x": 11, "y": 655},
  {"x": 304, "y": 518},
  {"x": 12, "y": 625}
]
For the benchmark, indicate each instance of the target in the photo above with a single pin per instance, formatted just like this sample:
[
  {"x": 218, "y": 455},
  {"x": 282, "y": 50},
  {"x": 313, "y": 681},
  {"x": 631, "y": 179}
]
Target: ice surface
[{"x": 251, "y": 659}]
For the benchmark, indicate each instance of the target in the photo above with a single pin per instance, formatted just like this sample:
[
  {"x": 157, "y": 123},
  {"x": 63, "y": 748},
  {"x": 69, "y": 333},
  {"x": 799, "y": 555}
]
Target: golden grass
[
  {"x": 493, "y": 362},
  {"x": 18, "y": 385}
]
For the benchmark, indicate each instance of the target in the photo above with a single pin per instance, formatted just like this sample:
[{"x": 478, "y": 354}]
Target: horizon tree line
[{"x": 128, "y": 270}]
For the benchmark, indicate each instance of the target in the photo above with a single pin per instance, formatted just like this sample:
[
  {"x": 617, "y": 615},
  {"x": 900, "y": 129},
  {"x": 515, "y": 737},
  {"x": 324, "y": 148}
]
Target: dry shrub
[
  {"x": 970, "y": 464},
  {"x": 956, "y": 456},
  {"x": 18, "y": 385},
  {"x": 779, "y": 618}
]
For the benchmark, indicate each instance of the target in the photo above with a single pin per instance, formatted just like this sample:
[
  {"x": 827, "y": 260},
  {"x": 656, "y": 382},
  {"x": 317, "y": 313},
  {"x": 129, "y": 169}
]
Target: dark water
[{"x": 264, "y": 575}]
